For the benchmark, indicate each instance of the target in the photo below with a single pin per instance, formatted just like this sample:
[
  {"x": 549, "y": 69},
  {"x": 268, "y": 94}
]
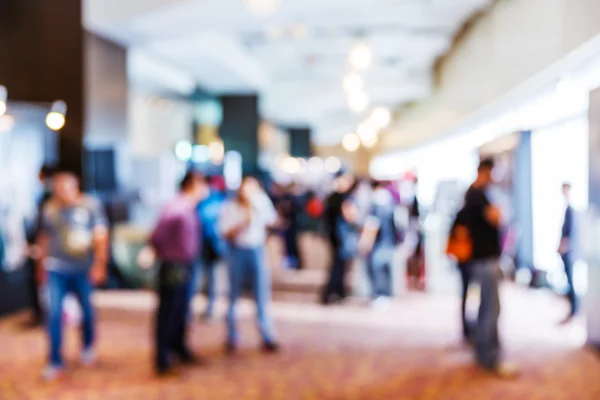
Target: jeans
[
  {"x": 567, "y": 259},
  {"x": 59, "y": 285},
  {"x": 207, "y": 272},
  {"x": 248, "y": 263},
  {"x": 173, "y": 306},
  {"x": 336, "y": 284},
  {"x": 379, "y": 268},
  {"x": 466, "y": 275},
  {"x": 487, "y": 344}
]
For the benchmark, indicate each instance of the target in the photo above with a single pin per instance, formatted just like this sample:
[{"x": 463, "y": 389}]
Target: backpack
[{"x": 460, "y": 245}]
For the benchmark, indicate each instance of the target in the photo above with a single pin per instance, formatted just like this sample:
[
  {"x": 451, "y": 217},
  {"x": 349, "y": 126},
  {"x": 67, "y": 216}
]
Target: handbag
[{"x": 460, "y": 246}]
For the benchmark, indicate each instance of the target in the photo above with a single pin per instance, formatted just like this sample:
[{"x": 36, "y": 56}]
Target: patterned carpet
[{"x": 341, "y": 353}]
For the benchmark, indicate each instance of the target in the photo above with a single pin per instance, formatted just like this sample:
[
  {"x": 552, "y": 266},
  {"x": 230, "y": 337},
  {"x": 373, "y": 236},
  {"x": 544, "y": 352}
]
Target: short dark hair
[
  {"x": 486, "y": 164},
  {"x": 47, "y": 170},
  {"x": 190, "y": 178},
  {"x": 375, "y": 184}
]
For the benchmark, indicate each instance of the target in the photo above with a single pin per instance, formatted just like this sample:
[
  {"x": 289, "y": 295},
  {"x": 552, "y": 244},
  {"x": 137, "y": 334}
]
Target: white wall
[{"x": 516, "y": 41}]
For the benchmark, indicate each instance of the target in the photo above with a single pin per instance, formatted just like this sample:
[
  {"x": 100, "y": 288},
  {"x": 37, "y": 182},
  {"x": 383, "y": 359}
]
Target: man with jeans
[
  {"x": 175, "y": 241},
  {"x": 483, "y": 221},
  {"x": 567, "y": 251},
  {"x": 73, "y": 244}
]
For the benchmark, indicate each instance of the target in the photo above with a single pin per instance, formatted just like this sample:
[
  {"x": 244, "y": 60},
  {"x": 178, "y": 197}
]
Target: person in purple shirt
[{"x": 175, "y": 243}]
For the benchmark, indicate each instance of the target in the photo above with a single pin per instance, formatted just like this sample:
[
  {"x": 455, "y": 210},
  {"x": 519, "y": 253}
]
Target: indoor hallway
[{"x": 346, "y": 352}]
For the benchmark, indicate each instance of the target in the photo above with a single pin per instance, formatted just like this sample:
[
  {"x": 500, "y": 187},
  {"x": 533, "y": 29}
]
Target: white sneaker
[
  {"x": 52, "y": 373},
  {"x": 88, "y": 357},
  {"x": 381, "y": 303},
  {"x": 507, "y": 370}
]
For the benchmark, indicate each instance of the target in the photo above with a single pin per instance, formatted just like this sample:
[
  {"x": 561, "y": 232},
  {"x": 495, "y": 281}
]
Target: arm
[
  {"x": 101, "y": 245},
  {"x": 567, "y": 232},
  {"x": 369, "y": 234},
  {"x": 350, "y": 212},
  {"x": 268, "y": 211},
  {"x": 232, "y": 223}
]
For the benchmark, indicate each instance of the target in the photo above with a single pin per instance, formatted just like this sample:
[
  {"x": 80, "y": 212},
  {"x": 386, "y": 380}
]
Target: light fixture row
[{"x": 367, "y": 132}]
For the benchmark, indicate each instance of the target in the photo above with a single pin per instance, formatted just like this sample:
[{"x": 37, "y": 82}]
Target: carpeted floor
[{"x": 341, "y": 353}]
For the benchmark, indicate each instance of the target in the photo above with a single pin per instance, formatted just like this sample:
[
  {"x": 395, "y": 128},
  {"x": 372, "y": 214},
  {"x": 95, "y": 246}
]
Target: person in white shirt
[{"x": 244, "y": 223}]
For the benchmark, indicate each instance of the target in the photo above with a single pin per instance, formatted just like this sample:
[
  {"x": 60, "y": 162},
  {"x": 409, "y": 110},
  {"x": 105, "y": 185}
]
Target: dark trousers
[
  {"x": 379, "y": 269},
  {"x": 336, "y": 284},
  {"x": 466, "y": 276},
  {"x": 33, "y": 289},
  {"x": 567, "y": 259},
  {"x": 171, "y": 317},
  {"x": 290, "y": 237}
]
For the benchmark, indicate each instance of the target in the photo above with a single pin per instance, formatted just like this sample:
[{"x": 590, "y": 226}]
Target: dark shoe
[
  {"x": 271, "y": 347},
  {"x": 191, "y": 360},
  {"x": 231, "y": 348},
  {"x": 166, "y": 372}
]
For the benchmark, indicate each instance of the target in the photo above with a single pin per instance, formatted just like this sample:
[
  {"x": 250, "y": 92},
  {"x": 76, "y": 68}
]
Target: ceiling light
[
  {"x": 55, "y": 119},
  {"x": 353, "y": 83},
  {"x": 262, "y": 7},
  {"x": 299, "y": 31},
  {"x": 361, "y": 57},
  {"x": 351, "y": 142},
  {"x": 3, "y": 99},
  {"x": 358, "y": 102},
  {"x": 200, "y": 154},
  {"x": 381, "y": 117},
  {"x": 290, "y": 165},
  {"x": 333, "y": 165},
  {"x": 315, "y": 165},
  {"x": 369, "y": 141},
  {"x": 183, "y": 150},
  {"x": 216, "y": 151}
]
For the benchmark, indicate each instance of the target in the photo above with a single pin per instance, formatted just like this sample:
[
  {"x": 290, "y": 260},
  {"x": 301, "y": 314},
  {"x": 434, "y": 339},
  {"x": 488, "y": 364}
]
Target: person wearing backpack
[{"x": 484, "y": 220}]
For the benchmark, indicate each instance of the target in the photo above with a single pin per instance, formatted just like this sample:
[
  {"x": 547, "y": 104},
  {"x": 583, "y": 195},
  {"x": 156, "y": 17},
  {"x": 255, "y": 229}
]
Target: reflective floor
[{"x": 409, "y": 351}]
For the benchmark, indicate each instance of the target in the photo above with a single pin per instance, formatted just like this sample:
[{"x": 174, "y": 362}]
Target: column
[
  {"x": 41, "y": 43},
  {"x": 522, "y": 176},
  {"x": 300, "y": 144},
  {"x": 239, "y": 129}
]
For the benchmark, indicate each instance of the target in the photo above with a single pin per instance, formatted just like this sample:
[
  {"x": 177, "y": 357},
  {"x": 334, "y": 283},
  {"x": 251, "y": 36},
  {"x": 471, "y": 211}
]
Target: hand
[
  {"x": 563, "y": 248},
  {"x": 146, "y": 258},
  {"x": 98, "y": 274},
  {"x": 40, "y": 274}
]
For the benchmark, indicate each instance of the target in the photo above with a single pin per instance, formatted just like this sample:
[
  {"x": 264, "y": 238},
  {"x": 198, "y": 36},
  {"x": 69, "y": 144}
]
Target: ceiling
[{"x": 296, "y": 57}]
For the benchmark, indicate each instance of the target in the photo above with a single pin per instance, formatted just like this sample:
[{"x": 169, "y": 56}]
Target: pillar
[
  {"x": 522, "y": 177},
  {"x": 41, "y": 43},
  {"x": 300, "y": 145},
  {"x": 239, "y": 129}
]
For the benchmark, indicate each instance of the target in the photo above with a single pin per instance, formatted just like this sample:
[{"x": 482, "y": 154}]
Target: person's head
[
  {"x": 484, "y": 171},
  {"x": 66, "y": 187},
  {"x": 344, "y": 180},
  {"x": 376, "y": 185},
  {"x": 194, "y": 186},
  {"x": 248, "y": 188},
  {"x": 566, "y": 189}
]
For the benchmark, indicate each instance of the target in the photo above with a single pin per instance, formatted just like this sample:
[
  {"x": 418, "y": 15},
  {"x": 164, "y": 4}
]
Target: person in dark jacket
[{"x": 567, "y": 249}]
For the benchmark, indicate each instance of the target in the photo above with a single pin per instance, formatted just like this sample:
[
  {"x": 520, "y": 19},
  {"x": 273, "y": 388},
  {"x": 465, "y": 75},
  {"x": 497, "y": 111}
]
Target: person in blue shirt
[{"x": 213, "y": 244}]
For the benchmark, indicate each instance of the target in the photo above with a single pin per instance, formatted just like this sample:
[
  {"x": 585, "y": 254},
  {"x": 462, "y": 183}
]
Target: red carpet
[{"x": 339, "y": 353}]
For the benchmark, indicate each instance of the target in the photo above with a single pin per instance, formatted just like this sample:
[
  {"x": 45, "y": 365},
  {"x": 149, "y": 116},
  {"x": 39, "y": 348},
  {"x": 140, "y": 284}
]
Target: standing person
[
  {"x": 567, "y": 251},
  {"x": 175, "y": 242},
  {"x": 378, "y": 242},
  {"x": 73, "y": 244},
  {"x": 46, "y": 178},
  {"x": 244, "y": 224},
  {"x": 483, "y": 221},
  {"x": 213, "y": 244},
  {"x": 341, "y": 217}
]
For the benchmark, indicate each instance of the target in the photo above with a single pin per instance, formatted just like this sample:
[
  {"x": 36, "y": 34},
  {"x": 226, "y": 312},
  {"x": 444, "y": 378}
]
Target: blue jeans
[
  {"x": 567, "y": 259},
  {"x": 249, "y": 264},
  {"x": 379, "y": 269},
  {"x": 59, "y": 285},
  {"x": 207, "y": 272},
  {"x": 487, "y": 274}
]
